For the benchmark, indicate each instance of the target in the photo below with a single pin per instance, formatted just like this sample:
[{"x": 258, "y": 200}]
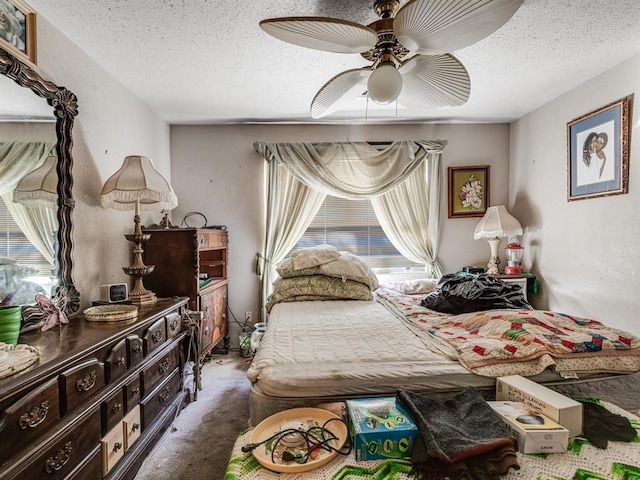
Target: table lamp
[
  {"x": 138, "y": 185},
  {"x": 38, "y": 188},
  {"x": 496, "y": 224}
]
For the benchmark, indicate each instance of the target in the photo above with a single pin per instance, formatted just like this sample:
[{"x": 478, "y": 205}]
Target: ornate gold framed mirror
[{"x": 65, "y": 108}]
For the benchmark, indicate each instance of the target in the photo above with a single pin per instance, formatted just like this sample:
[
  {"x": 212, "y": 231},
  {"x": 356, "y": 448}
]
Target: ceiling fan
[{"x": 408, "y": 48}]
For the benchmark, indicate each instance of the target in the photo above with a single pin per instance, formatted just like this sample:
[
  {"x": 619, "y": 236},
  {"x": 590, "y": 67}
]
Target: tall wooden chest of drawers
[
  {"x": 98, "y": 398},
  {"x": 193, "y": 262}
]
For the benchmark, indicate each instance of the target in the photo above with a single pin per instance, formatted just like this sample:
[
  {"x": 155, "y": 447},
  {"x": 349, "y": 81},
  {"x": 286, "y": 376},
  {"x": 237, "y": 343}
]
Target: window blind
[{"x": 352, "y": 226}]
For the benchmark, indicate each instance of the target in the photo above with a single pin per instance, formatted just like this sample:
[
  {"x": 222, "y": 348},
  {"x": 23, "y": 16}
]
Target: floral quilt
[{"x": 506, "y": 342}]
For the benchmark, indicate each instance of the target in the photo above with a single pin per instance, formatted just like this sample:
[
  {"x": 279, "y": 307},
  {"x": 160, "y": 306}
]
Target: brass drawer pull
[
  {"x": 116, "y": 407},
  {"x": 135, "y": 391},
  {"x": 121, "y": 362},
  {"x": 34, "y": 417},
  {"x": 174, "y": 324},
  {"x": 164, "y": 396},
  {"x": 137, "y": 347},
  {"x": 156, "y": 336},
  {"x": 164, "y": 365},
  {"x": 135, "y": 427},
  {"x": 86, "y": 383},
  {"x": 53, "y": 464},
  {"x": 117, "y": 446}
]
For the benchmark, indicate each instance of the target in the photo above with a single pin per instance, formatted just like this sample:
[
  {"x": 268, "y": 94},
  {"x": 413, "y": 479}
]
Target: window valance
[{"x": 354, "y": 170}]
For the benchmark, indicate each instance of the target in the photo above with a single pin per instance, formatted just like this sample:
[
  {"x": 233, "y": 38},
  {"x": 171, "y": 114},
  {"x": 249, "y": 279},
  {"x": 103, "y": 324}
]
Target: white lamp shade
[
  {"x": 39, "y": 187},
  {"x": 497, "y": 223},
  {"x": 138, "y": 181},
  {"x": 384, "y": 84}
]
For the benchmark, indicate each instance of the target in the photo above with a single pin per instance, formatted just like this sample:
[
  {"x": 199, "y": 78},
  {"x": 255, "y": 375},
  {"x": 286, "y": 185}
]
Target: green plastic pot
[{"x": 10, "y": 317}]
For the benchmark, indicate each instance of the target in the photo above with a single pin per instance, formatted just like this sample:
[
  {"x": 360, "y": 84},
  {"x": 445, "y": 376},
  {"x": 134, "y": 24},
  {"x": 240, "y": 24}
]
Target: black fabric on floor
[{"x": 601, "y": 426}]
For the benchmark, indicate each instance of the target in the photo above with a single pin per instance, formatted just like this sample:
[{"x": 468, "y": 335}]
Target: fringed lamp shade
[
  {"x": 496, "y": 224},
  {"x": 138, "y": 185},
  {"x": 39, "y": 187}
]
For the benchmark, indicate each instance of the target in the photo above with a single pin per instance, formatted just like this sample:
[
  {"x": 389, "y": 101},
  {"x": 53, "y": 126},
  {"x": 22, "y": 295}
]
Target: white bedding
[
  {"x": 309, "y": 350},
  {"x": 320, "y": 351}
]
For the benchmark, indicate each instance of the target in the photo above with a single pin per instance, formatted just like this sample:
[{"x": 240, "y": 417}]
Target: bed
[{"x": 320, "y": 347}]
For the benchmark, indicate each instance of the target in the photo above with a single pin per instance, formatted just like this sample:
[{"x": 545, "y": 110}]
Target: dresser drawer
[
  {"x": 132, "y": 424},
  {"x": 153, "y": 375},
  {"x": 78, "y": 384},
  {"x": 159, "y": 399},
  {"x": 155, "y": 336},
  {"x": 112, "y": 410},
  {"x": 116, "y": 362},
  {"x": 90, "y": 469},
  {"x": 112, "y": 448},
  {"x": 135, "y": 350},
  {"x": 29, "y": 418},
  {"x": 62, "y": 456},
  {"x": 174, "y": 324},
  {"x": 132, "y": 393}
]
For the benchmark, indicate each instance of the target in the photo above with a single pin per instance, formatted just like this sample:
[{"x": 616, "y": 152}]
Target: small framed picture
[
  {"x": 468, "y": 191},
  {"x": 598, "y": 152},
  {"x": 18, "y": 29}
]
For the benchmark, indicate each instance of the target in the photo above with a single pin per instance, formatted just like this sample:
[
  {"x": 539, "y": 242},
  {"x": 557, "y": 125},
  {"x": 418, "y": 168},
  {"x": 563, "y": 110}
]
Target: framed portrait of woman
[
  {"x": 18, "y": 29},
  {"x": 598, "y": 152}
]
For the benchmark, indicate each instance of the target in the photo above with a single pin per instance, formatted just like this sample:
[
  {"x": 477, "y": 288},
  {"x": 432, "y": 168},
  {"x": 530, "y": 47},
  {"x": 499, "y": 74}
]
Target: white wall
[
  {"x": 586, "y": 252},
  {"x": 216, "y": 171},
  {"x": 111, "y": 124}
]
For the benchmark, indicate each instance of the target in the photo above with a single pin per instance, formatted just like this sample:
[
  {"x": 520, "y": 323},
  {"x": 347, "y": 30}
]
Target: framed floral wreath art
[{"x": 468, "y": 191}]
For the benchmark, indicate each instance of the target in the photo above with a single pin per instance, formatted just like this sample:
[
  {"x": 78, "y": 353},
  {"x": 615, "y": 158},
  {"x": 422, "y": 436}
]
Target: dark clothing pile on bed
[
  {"x": 462, "y": 294},
  {"x": 461, "y": 438}
]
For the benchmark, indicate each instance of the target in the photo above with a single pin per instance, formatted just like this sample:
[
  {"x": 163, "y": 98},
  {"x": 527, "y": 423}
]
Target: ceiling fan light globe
[{"x": 385, "y": 84}]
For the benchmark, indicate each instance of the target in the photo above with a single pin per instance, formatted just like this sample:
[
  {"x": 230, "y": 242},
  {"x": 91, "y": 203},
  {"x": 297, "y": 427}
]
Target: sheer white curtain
[
  {"x": 410, "y": 213},
  {"x": 38, "y": 224},
  {"x": 354, "y": 171},
  {"x": 291, "y": 205}
]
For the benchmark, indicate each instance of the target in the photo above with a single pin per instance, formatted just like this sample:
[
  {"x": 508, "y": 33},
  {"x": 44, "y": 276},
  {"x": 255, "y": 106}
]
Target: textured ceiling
[{"x": 207, "y": 61}]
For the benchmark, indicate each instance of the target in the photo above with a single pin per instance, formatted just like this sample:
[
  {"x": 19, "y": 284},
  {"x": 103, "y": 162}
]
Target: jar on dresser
[{"x": 97, "y": 399}]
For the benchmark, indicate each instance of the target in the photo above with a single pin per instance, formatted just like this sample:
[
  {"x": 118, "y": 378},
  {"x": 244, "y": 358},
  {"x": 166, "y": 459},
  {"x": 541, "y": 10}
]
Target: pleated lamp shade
[
  {"x": 39, "y": 187},
  {"x": 138, "y": 182}
]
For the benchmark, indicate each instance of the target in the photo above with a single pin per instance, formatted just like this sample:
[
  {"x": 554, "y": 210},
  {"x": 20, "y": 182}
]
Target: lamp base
[
  {"x": 146, "y": 298},
  {"x": 493, "y": 267},
  {"x": 138, "y": 294}
]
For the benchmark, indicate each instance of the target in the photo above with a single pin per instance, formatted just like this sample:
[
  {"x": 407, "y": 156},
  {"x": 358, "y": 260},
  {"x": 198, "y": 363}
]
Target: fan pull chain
[{"x": 366, "y": 121}]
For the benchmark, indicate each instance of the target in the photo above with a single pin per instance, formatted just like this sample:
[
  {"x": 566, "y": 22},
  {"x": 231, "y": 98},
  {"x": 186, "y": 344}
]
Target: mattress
[{"x": 321, "y": 351}]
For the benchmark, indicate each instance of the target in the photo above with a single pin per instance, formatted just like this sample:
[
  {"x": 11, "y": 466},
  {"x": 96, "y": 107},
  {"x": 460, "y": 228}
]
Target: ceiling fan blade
[
  {"x": 320, "y": 33},
  {"x": 339, "y": 91},
  {"x": 434, "y": 81},
  {"x": 431, "y": 27}
]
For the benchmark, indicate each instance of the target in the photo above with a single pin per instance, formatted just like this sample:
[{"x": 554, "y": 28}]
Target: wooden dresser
[
  {"x": 193, "y": 262},
  {"x": 98, "y": 398}
]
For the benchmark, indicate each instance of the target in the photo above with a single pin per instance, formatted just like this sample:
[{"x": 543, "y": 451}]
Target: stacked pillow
[{"x": 322, "y": 273}]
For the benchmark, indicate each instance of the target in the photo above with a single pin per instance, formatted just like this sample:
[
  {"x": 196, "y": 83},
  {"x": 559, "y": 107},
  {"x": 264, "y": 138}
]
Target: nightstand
[{"x": 527, "y": 281}]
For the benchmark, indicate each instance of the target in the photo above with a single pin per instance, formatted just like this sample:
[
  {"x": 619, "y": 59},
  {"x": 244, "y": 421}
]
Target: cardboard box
[
  {"x": 380, "y": 428},
  {"x": 564, "y": 410},
  {"x": 536, "y": 433}
]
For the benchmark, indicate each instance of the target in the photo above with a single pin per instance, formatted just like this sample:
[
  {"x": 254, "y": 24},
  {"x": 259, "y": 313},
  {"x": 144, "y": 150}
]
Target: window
[
  {"x": 352, "y": 226},
  {"x": 16, "y": 245}
]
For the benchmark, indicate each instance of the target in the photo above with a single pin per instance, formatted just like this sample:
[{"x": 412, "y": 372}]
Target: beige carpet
[{"x": 199, "y": 446}]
